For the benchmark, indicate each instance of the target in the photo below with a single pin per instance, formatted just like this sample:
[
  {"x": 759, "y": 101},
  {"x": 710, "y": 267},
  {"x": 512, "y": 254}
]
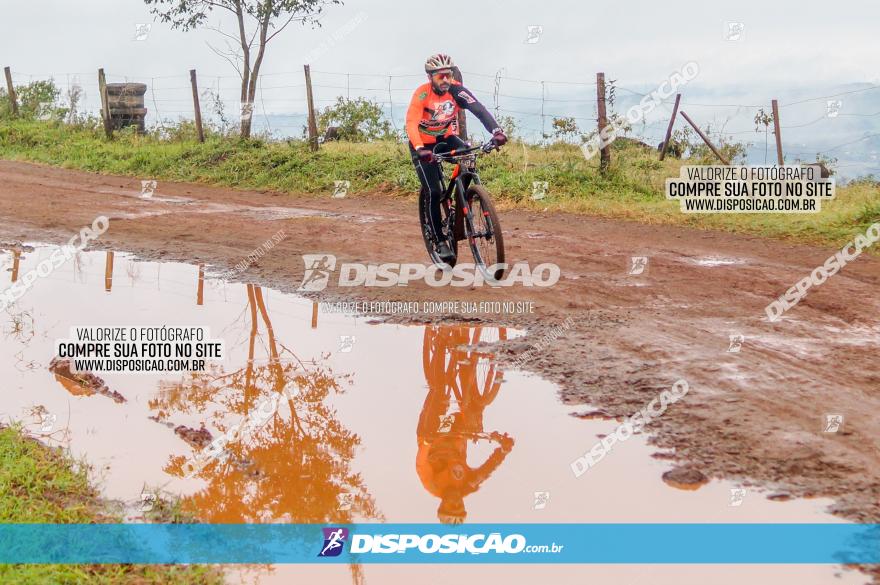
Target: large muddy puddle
[{"x": 391, "y": 423}]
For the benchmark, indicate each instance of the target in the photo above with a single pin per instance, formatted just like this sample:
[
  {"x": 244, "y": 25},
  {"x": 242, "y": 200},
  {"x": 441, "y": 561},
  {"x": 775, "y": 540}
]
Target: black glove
[
  {"x": 425, "y": 155},
  {"x": 499, "y": 137}
]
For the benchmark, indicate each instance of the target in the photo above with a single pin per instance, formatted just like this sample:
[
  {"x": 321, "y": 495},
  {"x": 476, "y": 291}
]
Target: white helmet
[{"x": 438, "y": 62}]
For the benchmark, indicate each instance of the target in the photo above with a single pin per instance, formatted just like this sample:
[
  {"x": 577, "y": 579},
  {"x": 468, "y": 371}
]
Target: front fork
[{"x": 464, "y": 217}]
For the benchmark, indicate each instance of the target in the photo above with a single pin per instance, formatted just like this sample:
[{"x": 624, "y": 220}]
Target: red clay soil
[{"x": 756, "y": 415}]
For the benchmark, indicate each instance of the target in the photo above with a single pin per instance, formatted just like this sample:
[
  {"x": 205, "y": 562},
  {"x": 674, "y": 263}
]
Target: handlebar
[{"x": 454, "y": 154}]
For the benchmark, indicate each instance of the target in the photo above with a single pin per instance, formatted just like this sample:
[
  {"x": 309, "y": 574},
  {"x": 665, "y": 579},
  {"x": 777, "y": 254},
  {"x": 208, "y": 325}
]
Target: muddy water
[{"x": 390, "y": 423}]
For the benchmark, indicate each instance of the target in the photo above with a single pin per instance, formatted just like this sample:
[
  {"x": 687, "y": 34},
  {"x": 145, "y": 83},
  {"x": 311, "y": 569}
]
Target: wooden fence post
[
  {"x": 105, "y": 103},
  {"x": 777, "y": 133},
  {"x": 13, "y": 100},
  {"x": 200, "y": 290},
  {"x": 313, "y": 122},
  {"x": 196, "y": 106},
  {"x": 108, "y": 272},
  {"x": 605, "y": 158},
  {"x": 16, "y": 261},
  {"x": 669, "y": 128},
  {"x": 705, "y": 138}
]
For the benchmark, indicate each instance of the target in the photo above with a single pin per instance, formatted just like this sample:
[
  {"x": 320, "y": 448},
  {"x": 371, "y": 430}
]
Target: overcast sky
[
  {"x": 784, "y": 43},
  {"x": 786, "y": 50}
]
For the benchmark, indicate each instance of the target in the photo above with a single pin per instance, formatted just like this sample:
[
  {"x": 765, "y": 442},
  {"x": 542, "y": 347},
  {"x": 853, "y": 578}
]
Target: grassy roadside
[
  {"x": 40, "y": 484},
  {"x": 632, "y": 190}
]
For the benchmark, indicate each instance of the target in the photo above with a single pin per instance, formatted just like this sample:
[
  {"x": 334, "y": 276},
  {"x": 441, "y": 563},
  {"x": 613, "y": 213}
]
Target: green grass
[
  {"x": 631, "y": 190},
  {"x": 43, "y": 485}
]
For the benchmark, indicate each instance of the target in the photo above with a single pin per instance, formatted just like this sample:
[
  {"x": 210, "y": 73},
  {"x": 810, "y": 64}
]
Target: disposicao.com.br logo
[
  {"x": 474, "y": 544},
  {"x": 319, "y": 268},
  {"x": 334, "y": 541}
]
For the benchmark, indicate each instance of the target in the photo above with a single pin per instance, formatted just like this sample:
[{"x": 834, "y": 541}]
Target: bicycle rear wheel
[
  {"x": 484, "y": 233},
  {"x": 446, "y": 221}
]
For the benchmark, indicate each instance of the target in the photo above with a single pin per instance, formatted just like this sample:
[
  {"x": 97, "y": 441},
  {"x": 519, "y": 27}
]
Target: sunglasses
[{"x": 440, "y": 75}]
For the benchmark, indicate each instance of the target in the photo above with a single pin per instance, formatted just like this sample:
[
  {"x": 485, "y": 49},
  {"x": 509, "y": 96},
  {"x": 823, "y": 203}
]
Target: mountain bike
[{"x": 466, "y": 212}]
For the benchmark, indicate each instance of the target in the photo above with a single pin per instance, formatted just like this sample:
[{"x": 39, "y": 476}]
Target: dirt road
[{"x": 753, "y": 415}]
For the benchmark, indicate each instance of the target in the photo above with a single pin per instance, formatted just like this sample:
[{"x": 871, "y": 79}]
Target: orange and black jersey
[{"x": 431, "y": 116}]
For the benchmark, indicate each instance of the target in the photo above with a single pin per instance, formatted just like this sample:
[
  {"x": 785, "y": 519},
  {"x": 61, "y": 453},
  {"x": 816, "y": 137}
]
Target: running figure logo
[
  {"x": 638, "y": 265},
  {"x": 736, "y": 343},
  {"x": 148, "y": 188},
  {"x": 317, "y": 273},
  {"x": 334, "y": 539},
  {"x": 833, "y": 422}
]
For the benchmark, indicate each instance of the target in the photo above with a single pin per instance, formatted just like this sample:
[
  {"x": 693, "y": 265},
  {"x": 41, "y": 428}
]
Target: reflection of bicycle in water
[{"x": 462, "y": 382}]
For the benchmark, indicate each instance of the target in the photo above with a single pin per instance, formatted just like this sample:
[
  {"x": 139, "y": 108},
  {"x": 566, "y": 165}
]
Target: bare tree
[{"x": 258, "y": 22}]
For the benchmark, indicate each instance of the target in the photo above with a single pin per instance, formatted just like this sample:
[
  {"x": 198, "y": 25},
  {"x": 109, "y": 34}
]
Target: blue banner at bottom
[{"x": 437, "y": 543}]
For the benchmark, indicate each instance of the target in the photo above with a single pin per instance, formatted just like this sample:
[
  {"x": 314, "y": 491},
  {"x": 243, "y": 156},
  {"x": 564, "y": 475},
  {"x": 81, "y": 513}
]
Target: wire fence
[{"x": 844, "y": 125}]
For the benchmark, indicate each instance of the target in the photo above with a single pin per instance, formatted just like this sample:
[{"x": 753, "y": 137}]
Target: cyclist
[
  {"x": 432, "y": 119},
  {"x": 451, "y": 416}
]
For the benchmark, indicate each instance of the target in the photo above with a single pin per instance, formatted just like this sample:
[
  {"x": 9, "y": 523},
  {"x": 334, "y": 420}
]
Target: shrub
[{"x": 357, "y": 120}]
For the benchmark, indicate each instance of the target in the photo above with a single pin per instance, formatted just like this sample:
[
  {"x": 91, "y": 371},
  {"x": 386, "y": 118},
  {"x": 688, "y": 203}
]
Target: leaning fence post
[
  {"x": 705, "y": 138},
  {"x": 669, "y": 128},
  {"x": 13, "y": 100},
  {"x": 313, "y": 123},
  {"x": 105, "y": 103},
  {"x": 196, "y": 106},
  {"x": 605, "y": 158},
  {"x": 777, "y": 133}
]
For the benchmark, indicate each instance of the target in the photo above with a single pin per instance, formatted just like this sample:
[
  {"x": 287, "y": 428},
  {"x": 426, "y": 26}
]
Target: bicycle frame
[{"x": 461, "y": 178}]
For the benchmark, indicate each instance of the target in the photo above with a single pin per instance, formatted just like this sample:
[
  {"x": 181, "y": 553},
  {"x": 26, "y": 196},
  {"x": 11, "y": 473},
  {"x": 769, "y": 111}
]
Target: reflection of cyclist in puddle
[{"x": 461, "y": 384}]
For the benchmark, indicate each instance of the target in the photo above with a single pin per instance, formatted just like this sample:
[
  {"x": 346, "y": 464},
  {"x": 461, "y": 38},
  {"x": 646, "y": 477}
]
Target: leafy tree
[
  {"x": 510, "y": 125},
  {"x": 356, "y": 120},
  {"x": 732, "y": 150},
  {"x": 36, "y": 100},
  {"x": 74, "y": 99},
  {"x": 764, "y": 119},
  {"x": 257, "y": 23},
  {"x": 828, "y": 163},
  {"x": 280, "y": 450},
  {"x": 565, "y": 128},
  {"x": 680, "y": 142}
]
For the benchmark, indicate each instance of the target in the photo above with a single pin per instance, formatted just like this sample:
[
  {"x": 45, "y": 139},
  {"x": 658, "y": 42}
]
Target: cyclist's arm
[
  {"x": 465, "y": 99},
  {"x": 413, "y": 117},
  {"x": 482, "y": 473}
]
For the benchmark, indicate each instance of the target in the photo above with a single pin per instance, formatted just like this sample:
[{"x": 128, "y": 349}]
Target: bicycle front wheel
[{"x": 484, "y": 233}]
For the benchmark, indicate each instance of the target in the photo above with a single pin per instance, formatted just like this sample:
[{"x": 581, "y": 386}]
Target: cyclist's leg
[
  {"x": 432, "y": 187},
  {"x": 451, "y": 142}
]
